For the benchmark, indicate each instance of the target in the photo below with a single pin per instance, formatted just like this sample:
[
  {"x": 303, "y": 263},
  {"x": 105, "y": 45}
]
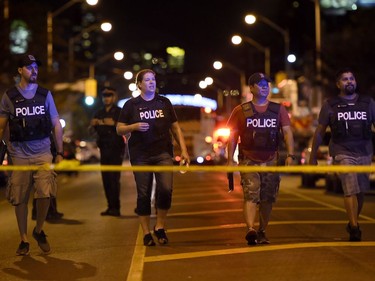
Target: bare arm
[
  {"x": 178, "y": 136},
  {"x": 57, "y": 132},
  {"x": 317, "y": 140},
  {"x": 289, "y": 142},
  {"x": 124, "y": 129}
]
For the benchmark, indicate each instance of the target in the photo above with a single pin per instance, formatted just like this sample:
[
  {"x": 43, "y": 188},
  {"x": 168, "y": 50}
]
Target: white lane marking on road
[{"x": 255, "y": 249}]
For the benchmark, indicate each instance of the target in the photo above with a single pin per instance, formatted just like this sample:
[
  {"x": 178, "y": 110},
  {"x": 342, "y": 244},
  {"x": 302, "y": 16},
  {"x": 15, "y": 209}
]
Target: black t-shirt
[
  {"x": 160, "y": 115},
  {"x": 107, "y": 135}
]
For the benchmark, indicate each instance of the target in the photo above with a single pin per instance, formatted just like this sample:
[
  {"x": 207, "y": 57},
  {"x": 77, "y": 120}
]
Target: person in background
[
  {"x": 350, "y": 117},
  {"x": 259, "y": 124},
  {"x": 112, "y": 148},
  {"x": 29, "y": 111},
  {"x": 151, "y": 121}
]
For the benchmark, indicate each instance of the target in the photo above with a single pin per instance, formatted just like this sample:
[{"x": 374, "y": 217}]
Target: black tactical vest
[
  {"x": 262, "y": 130},
  {"x": 31, "y": 119},
  {"x": 350, "y": 121}
]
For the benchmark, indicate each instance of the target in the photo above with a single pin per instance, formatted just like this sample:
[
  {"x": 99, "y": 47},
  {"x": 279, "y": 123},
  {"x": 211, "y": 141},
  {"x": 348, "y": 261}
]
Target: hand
[
  {"x": 94, "y": 122},
  {"x": 58, "y": 158},
  {"x": 185, "y": 158},
  {"x": 142, "y": 126},
  {"x": 289, "y": 161}
]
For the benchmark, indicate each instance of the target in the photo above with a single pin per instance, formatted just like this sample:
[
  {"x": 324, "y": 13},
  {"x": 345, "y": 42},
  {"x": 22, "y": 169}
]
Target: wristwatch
[{"x": 291, "y": 156}]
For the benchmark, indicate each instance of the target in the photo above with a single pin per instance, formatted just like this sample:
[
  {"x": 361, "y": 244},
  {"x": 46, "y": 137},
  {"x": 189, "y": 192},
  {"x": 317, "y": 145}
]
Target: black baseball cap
[
  {"x": 257, "y": 77},
  {"x": 28, "y": 59}
]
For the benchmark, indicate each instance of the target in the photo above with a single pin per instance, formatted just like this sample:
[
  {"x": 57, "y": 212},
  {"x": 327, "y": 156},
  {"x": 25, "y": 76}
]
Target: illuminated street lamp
[
  {"x": 50, "y": 16},
  {"x": 237, "y": 39},
  {"x": 251, "y": 19},
  {"x": 219, "y": 65},
  {"x": 105, "y": 26},
  {"x": 117, "y": 56}
]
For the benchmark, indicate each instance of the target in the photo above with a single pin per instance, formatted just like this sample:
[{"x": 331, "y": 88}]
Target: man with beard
[
  {"x": 349, "y": 116},
  {"x": 29, "y": 112}
]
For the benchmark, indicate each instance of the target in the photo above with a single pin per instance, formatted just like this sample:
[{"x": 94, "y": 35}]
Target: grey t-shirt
[{"x": 352, "y": 148}]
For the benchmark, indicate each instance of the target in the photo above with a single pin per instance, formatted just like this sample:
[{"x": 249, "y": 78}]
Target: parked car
[{"x": 332, "y": 180}]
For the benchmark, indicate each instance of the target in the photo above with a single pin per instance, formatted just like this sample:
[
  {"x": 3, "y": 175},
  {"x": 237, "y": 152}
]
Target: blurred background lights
[
  {"x": 92, "y": 2},
  {"x": 218, "y": 65},
  {"x": 236, "y": 40},
  {"x": 209, "y": 80},
  {"x": 63, "y": 123},
  {"x": 118, "y": 55},
  {"x": 250, "y": 19},
  {"x": 89, "y": 101},
  {"x": 128, "y": 75},
  {"x": 291, "y": 58},
  {"x": 106, "y": 26}
]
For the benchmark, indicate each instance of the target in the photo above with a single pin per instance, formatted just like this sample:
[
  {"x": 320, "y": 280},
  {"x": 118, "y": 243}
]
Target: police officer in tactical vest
[
  {"x": 256, "y": 128},
  {"x": 29, "y": 112},
  {"x": 350, "y": 117}
]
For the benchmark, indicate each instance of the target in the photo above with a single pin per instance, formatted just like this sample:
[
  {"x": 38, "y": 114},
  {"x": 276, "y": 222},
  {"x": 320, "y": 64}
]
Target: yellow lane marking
[
  {"x": 333, "y": 207},
  {"x": 241, "y": 225},
  {"x": 136, "y": 265},
  {"x": 244, "y": 250},
  {"x": 199, "y": 202},
  {"x": 240, "y": 210}
]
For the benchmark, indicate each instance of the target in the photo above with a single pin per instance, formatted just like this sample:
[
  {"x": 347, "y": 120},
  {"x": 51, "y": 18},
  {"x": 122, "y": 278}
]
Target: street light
[
  {"x": 50, "y": 16},
  {"x": 105, "y": 26},
  {"x": 117, "y": 56},
  {"x": 237, "y": 39},
  {"x": 251, "y": 19},
  {"x": 219, "y": 65}
]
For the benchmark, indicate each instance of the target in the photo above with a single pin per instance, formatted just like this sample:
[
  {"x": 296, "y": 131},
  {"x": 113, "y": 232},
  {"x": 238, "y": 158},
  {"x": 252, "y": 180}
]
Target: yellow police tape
[{"x": 74, "y": 165}]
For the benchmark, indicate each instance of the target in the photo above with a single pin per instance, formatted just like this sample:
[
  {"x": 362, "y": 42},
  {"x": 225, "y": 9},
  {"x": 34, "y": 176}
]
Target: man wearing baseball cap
[
  {"x": 259, "y": 125},
  {"x": 31, "y": 115},
  {"x": 27, "y": 60}
]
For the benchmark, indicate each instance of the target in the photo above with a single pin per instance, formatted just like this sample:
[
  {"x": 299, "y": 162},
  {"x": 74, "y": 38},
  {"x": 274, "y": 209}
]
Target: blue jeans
[{"x": 164, "y": 184}]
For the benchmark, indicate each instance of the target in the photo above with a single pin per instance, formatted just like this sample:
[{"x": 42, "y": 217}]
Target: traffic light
[{"x": 91, "y": 86}]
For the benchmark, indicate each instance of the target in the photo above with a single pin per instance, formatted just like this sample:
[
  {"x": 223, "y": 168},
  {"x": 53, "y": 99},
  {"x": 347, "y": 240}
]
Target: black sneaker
[
  {"x": 111, "y": 212},
  {"x": 162, "y": 237},
  {"x": 262, "y": 238},
  {"x": 355, "y": 234},
  {"x": 251, "y": 237},
  {"x": 42, "y": 241},
  {"x": 23, "y": 249}
]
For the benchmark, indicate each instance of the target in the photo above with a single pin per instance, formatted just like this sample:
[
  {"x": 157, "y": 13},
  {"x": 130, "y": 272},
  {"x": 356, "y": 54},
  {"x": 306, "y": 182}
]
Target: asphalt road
[{"x": 206, "y": 232}]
